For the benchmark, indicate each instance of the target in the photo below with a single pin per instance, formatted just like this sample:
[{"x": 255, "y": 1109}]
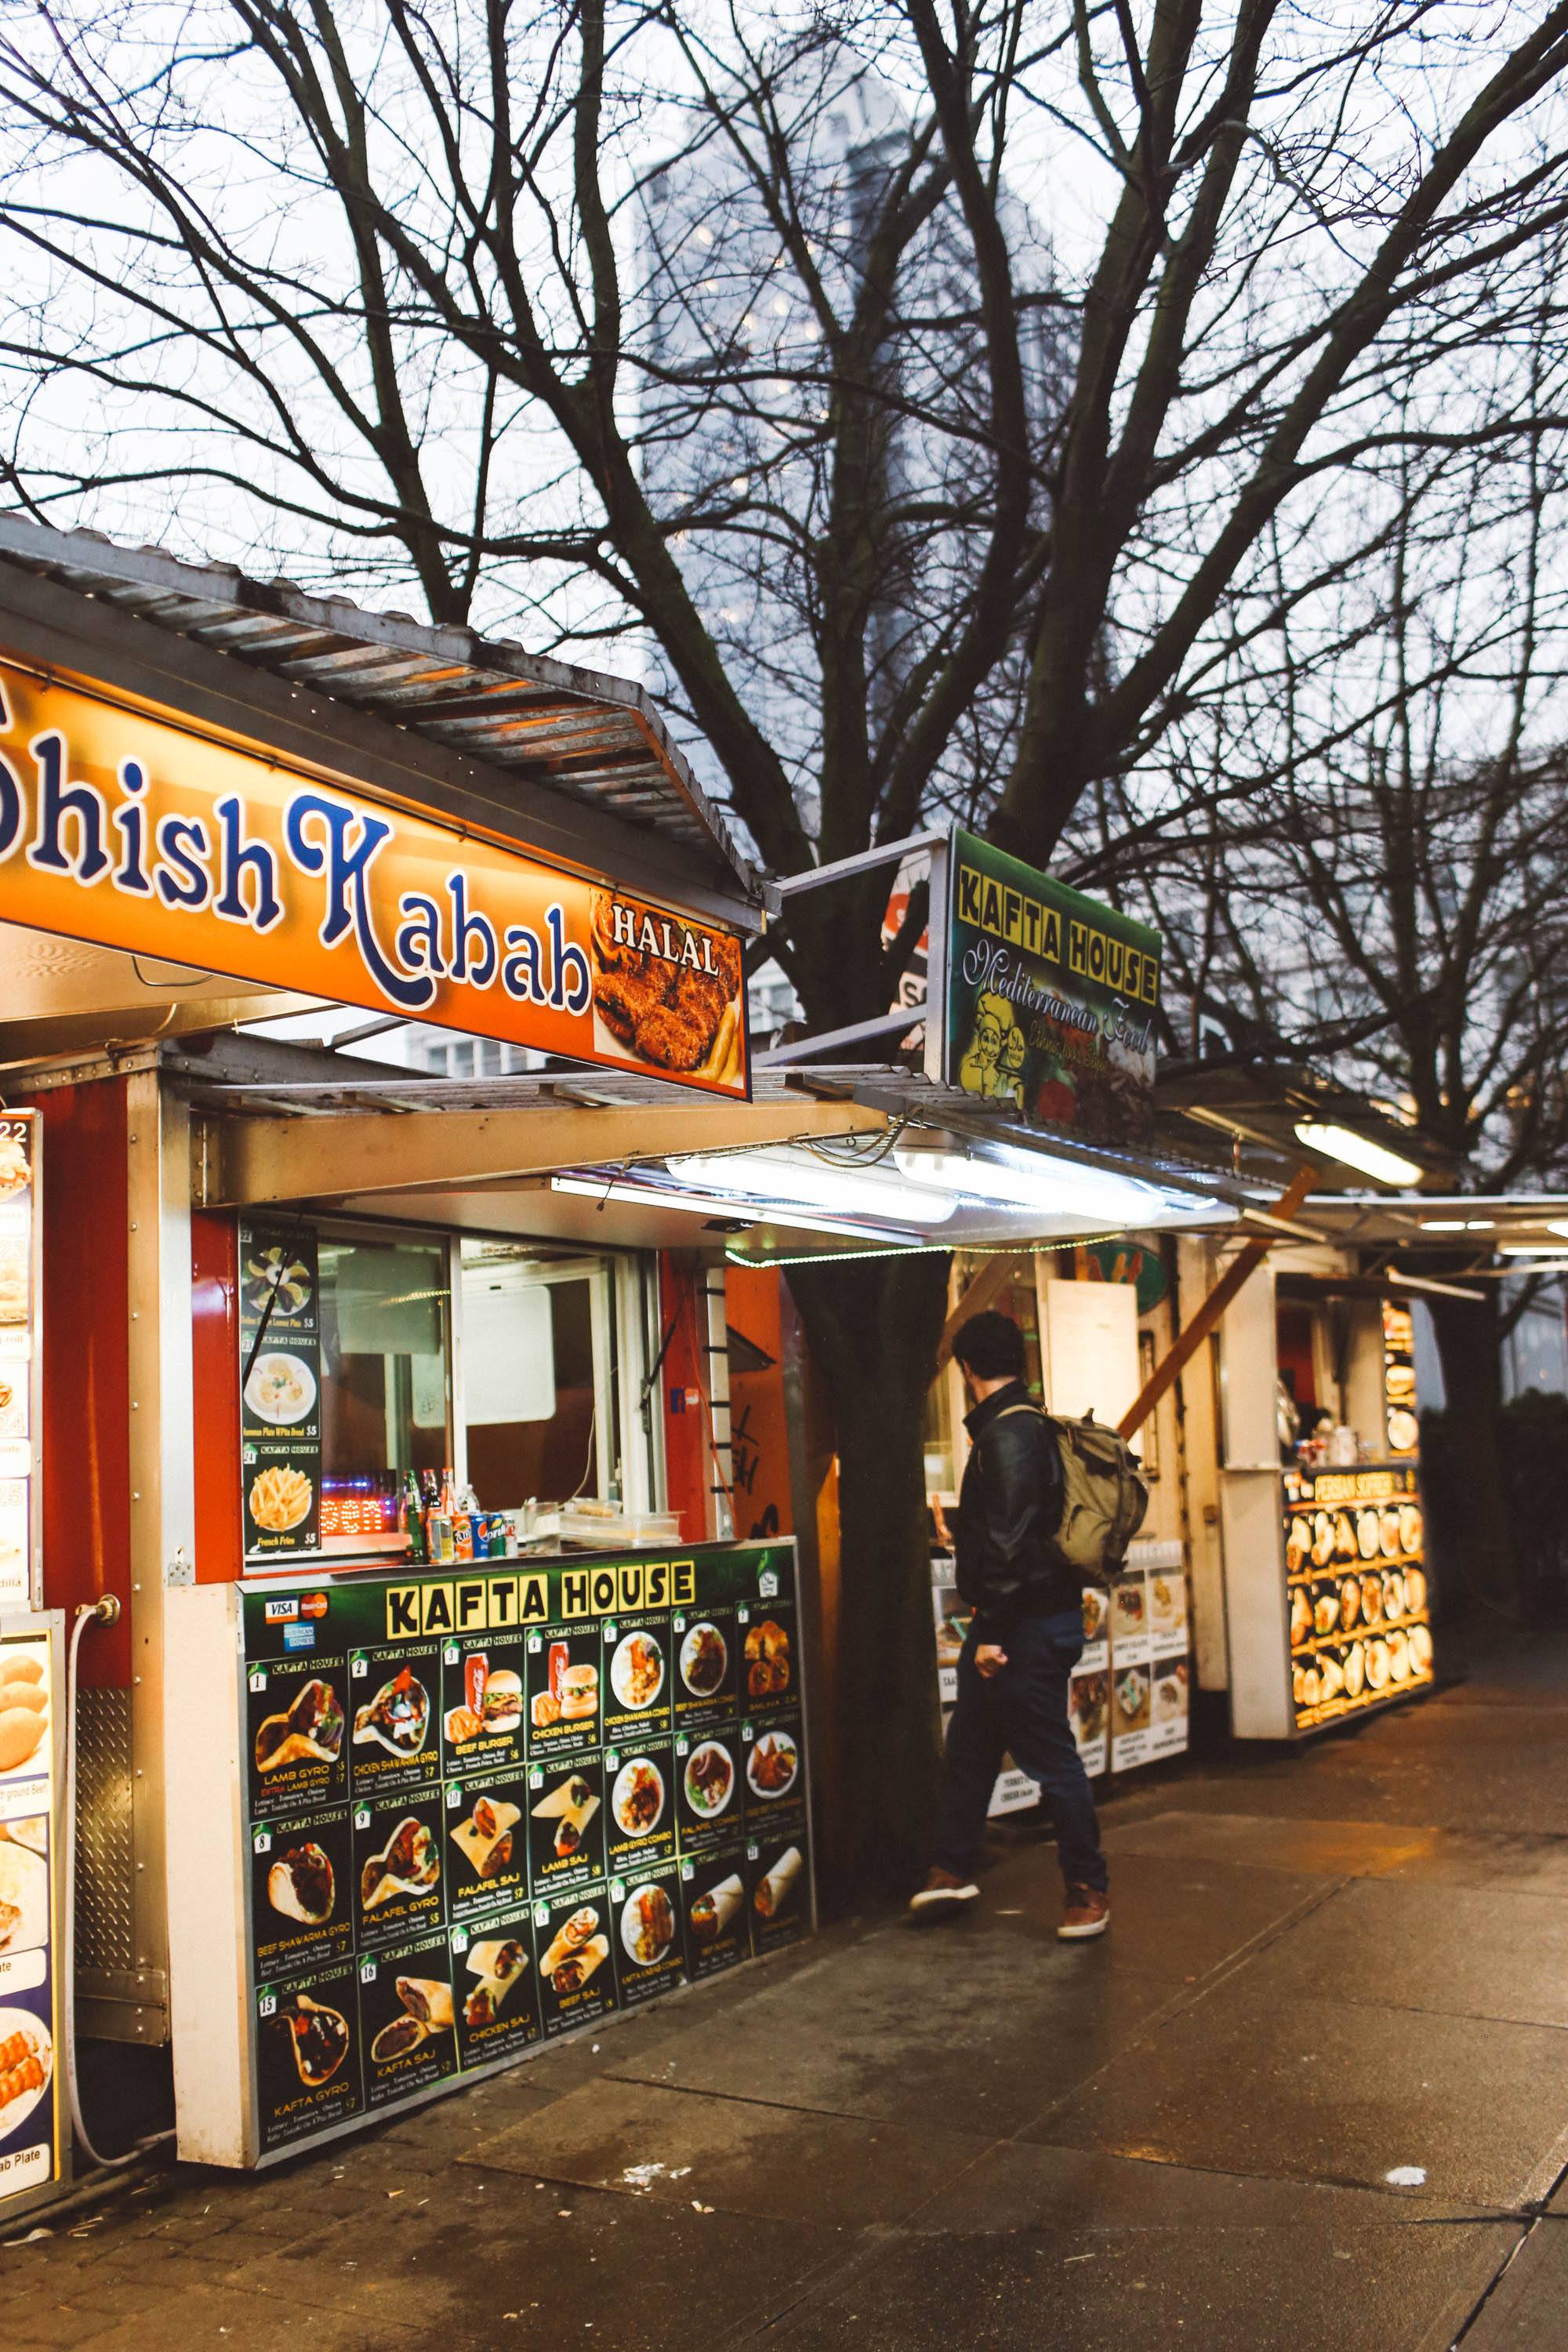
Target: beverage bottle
[{"x": 413, "y": 1524}]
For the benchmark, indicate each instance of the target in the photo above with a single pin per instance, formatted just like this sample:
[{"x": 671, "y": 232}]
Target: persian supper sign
[
  {"x": 1049, "y": 999},
  {"x": 136, "y": 833}
]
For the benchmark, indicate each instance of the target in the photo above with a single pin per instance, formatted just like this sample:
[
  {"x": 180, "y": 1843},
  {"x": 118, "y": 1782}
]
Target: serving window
[{"x": 371, "y": 1355}]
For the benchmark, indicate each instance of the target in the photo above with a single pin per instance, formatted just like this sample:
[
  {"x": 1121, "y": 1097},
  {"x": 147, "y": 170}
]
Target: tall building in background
[{"x": 739, "y": 442}]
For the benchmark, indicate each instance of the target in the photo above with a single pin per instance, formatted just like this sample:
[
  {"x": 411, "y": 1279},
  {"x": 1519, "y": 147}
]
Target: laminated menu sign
[
  {"x": 307, "y": 2055},
  {"x": 302, "y": 1890},
  {"x": 1360, "y": 1626},
  {"x": 636, "y": 1697},
  {"x": 773, "y": 1771},
  {"x": 1096, "y": 1654},
  {"x": 395, "y": 1742},
  {"x": 1089, "y": 1711},
  {"x": 281, "y": 1389},
  {"x": 644, "y": 1932},
  {"x": 576, "y": 1973},
  {"x": 31, "y": 2086},
  {"x": 565, "y": 1823},
  {"x": 714, "y": 1894},
  {"x": 639, "y": 1783},
  {"x": 483, "y": 1708},
  {"x": 19, "y": 1324},
  {"x": 1168, "y": 1707},
  {"x": 408, "y": 2023},
  {"x": 1130, "y": 1677},
  {"x": 495, "y": 1988},
  {"x": 705, "y": 1652},
  {"x": 777, "y": 1893},
  {"x": 566, "y": 1669},
  {"x": 708, "y": 1805},
  {"x": 486, "y": 1844},
  {"x": 442, "y": 1871}
]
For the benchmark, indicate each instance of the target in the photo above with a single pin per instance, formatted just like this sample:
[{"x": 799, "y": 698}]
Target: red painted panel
[
  {"x": 86, "y": 1371},
  {"x": 214, "y": 1364},
  {"x": 681, "y": 1394}
]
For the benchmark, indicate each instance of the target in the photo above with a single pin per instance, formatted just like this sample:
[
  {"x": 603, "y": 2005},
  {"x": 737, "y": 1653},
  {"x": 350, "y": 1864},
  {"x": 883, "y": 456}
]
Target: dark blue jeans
[{"x": 1023, "y": 1711}]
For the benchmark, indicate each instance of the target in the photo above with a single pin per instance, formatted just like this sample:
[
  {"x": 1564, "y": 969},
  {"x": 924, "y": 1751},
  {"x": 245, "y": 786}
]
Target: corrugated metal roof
[{"x": 591, "y": 737}]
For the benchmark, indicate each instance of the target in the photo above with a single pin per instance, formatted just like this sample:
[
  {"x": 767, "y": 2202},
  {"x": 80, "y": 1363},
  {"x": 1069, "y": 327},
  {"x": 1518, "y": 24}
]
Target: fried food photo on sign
[{"x": 667, "y": 991}]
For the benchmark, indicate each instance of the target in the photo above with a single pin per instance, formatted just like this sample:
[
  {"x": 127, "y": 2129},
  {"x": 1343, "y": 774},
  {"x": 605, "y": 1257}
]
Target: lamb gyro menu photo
[{"x": 435, "y": 1884}]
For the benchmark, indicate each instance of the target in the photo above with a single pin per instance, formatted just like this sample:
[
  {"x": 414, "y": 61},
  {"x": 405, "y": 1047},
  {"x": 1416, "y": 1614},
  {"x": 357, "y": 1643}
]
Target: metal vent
[{"x": 105, "y": 1861}]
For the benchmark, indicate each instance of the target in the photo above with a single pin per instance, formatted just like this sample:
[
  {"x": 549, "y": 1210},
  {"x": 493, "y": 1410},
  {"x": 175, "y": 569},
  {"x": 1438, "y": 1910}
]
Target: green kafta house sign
[{"x": 1049, "y": 1001}]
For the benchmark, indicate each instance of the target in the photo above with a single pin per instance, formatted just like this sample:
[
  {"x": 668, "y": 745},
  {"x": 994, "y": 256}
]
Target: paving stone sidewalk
[{"x": 1311, "y": 2092}]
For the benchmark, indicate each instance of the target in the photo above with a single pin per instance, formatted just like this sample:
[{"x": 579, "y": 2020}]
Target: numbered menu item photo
[
  {"x": 495, "y": 1988},
  {"x": 706, "y": 1665},
  {"x": 641, "y": 1826},
  {"x": 302, "y": 1891},
  {"x": 707, "y": 1779},
  {"x": 639, "y": 1696},
  {"x": 566, "y": 1823},
  {"x": 645, "y": 1933},
  {"x": 483, "y": 1704},
  {"x": 718, "y": 1924},
  {"x": 408, "y": 2019},
  {"x": 577, "y": 1977},
  {"x": 562, "y": 1689},
  {"x": 297, "y": 1733},
  {"x": 397, "y": 1866},
  {"x": 778, "y": 1903},
  {"x": 394, "y": 1744},
  {"x": 773, "y": 1770},
  {"x": 769, "y": 1653},
  {"x": 307, "y": 2055},
  {"x": 486, "y": 1846}
]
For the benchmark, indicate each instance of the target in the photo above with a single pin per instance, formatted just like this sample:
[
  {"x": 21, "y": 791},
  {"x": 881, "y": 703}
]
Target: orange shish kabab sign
[{"x": 136, "y": 833}]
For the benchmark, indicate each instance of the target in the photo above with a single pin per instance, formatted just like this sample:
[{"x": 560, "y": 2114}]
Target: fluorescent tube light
[
  {"x": 1470, "y": 1225},
  {"x": 1354, "y": 1151},
  {"x": 832, "y": 1190},
  {"x": 1055, "y": 1188},
  {"x": 1531, "y": 1249}
]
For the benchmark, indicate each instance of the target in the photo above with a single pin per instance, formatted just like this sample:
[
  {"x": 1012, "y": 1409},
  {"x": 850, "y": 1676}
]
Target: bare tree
[
  {"x": 1382, "y": 872},
  {"x": 383, "y": 288}
]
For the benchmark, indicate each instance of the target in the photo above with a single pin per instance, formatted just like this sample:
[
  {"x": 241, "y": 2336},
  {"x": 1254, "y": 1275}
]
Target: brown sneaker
[
  {"x": 943, "y": 1892},
  {"x": 1087, "y": 1914}
]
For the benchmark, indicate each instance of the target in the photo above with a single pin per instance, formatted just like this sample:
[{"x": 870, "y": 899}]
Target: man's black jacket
[{"x": 1009, "y": 1508}]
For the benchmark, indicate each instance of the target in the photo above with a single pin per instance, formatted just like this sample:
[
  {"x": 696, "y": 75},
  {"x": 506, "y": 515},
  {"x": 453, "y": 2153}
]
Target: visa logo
[{"x": 281, "y": 1613}]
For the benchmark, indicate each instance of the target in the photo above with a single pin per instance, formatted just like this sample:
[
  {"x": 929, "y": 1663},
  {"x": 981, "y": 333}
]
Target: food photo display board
[
  {"x": 34, "y": 2138},
  {"x": 1360, "y": 1627},
  {"x": 20, "y": 1237},
  {"x": 477, "y": 1810}
]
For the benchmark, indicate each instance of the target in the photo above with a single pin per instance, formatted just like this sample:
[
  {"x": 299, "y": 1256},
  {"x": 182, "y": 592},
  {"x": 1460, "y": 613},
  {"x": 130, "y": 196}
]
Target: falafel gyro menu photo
[{"x": 480, "y": 1810}]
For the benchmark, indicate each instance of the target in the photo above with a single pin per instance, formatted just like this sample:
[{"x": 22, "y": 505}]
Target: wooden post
[{"x": 1188, "y": 1341}]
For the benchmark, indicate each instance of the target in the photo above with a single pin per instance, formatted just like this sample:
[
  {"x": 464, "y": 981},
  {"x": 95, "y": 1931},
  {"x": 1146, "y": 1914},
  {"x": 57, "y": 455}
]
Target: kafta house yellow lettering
[{"x": 136, "y": 833}]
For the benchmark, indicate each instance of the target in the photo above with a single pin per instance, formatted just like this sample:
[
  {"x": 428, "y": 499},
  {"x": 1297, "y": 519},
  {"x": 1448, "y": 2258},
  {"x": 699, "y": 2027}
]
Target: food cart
[{"x": 1327, "y": 1613}]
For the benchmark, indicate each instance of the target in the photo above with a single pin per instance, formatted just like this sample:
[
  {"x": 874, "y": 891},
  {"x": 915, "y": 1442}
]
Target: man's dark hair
[{"x": 992, "y": 1346}]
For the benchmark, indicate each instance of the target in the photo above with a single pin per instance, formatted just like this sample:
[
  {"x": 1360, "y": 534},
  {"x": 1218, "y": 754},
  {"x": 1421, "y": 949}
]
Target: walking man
[{"x": 1026, "y": 1637}]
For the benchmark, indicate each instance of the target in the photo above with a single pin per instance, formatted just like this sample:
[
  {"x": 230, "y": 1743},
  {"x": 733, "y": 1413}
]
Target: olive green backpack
[{"x": 1104, "y": 1496}]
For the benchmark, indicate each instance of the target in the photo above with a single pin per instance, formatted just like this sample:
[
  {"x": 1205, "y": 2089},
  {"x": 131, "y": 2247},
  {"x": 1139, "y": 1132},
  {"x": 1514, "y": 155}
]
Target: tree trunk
[
  {"x": 1478, "y": 1543},
  {"x": 873, "y": 1325}
]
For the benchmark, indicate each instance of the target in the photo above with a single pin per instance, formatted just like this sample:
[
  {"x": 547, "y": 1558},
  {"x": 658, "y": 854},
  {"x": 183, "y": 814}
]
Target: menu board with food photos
[
  {"x": 19, "y": 1333},
  {"x": 464, "y": 1844},
  {"x": 280, "y": 1389},
  {"x": 1360, "y": 1631},
  {"x": 35, "y": 2135}
]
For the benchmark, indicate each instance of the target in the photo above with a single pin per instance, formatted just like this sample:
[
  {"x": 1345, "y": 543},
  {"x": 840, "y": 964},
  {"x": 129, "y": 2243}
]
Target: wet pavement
[{"x": 1311, "y": 2090}]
